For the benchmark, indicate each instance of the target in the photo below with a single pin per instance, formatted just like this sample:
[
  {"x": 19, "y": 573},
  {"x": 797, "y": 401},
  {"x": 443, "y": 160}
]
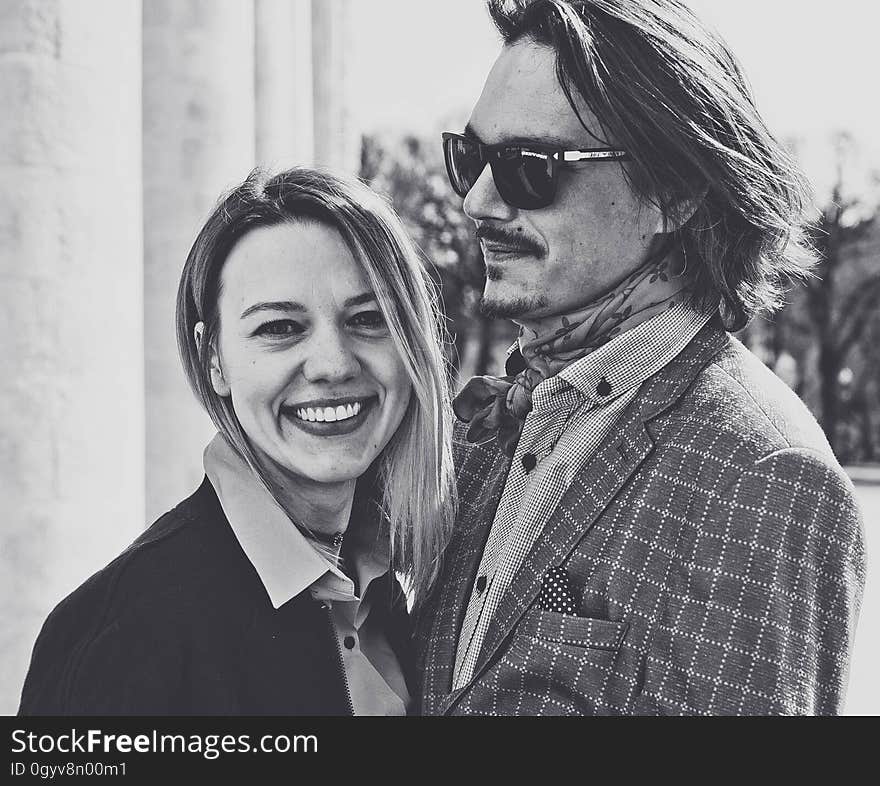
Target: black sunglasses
[{"x": 526, "y": 176}]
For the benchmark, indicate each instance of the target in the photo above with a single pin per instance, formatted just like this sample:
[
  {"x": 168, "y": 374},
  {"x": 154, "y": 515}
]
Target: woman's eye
[
  {"x": 279, "y": 327},
  {"x": 371, "y": 320}
]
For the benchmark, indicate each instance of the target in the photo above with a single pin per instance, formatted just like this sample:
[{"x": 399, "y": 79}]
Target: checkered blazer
[{"x": 714, "y": 547}]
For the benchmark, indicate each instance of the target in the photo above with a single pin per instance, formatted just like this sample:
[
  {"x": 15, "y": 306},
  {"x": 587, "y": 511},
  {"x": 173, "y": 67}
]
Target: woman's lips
[{"x": 325, "y": 427}]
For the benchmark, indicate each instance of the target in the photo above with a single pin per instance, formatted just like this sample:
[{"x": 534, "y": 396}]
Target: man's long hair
[{"x": 668, "y": 90}]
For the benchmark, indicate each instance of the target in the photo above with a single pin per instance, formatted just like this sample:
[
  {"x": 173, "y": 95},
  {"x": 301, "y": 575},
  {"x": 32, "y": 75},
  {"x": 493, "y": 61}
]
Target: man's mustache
[{"x": 512, "y": 240}]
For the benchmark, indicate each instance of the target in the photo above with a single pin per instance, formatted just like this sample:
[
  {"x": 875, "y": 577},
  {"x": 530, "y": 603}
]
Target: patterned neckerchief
[{"x": 498, "y": 405}]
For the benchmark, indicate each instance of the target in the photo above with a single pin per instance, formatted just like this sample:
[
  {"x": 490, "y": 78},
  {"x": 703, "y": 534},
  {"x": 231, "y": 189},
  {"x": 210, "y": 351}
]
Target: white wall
[
  {"x": 71, "y": 321},
  {"x": 199, "y": 140}
]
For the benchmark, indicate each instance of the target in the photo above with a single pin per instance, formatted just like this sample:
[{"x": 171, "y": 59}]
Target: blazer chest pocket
[{"x": 574, "y": 631}]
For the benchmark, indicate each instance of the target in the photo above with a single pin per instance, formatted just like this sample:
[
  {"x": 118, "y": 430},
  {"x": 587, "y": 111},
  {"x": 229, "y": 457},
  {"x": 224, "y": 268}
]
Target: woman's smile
[{"x": 330, "y": 418}]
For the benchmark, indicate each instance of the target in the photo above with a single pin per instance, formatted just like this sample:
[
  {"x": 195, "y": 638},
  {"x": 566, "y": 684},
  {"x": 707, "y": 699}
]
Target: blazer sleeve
[{"x": 762, "y": 606}]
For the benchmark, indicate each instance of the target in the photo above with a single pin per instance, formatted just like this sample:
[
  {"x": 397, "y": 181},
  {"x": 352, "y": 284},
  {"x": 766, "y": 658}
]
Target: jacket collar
[{"x": 285, "y": 560}]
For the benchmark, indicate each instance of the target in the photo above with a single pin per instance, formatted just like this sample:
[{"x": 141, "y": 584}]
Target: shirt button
[
  {"x": 349, "y": 642},
  {"x": 481, "y": 585},
  {"x": 529, "y": 460}
]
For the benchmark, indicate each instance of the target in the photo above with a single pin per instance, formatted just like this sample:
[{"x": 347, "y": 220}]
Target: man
[{"x": 650, "y": 521}]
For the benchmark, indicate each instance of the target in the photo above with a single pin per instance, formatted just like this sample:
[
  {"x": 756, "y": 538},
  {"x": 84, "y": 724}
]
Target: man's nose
[
  {"x": 331, "y": 357},
  {"x": 483, "y": 200}
]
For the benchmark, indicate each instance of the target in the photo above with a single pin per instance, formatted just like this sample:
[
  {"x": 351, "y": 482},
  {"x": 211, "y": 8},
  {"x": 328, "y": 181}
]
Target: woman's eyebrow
[
  {"x": 357, "y": 300},
  {"x": 273, "y": 305},
  {"x": 292, "y": 305}
]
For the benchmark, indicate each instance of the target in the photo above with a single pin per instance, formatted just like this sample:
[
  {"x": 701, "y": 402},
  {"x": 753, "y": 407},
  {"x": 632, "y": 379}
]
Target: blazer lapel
[
  {"x": 611, "y": 467},
  {"x": 606, "y": 473},
  {"x": 462, "y": 558}
]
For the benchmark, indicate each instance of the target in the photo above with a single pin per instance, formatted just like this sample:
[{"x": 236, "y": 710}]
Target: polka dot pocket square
[{"x": 556, "y": 595}]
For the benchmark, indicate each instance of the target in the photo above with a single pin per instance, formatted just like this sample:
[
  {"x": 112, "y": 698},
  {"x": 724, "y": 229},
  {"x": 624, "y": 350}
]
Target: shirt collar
[
  {"x": 627, "y": 360},
  {"x": 285, "y": 560}
]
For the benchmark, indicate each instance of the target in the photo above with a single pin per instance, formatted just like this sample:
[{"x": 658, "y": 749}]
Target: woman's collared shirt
[{"x": 288, "y": 564}]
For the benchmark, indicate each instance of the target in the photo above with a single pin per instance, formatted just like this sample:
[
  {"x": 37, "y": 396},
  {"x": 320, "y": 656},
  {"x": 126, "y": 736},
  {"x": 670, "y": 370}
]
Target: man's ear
[
  {"x": 218, "y": 382},
  {"x": 680, "y": 211}
]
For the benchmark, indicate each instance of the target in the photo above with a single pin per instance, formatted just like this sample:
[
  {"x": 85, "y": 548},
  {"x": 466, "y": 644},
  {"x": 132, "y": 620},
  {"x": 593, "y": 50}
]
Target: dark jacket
[
  {"x": 713, "y": 547},
  {"x": 180, "y": 624}
]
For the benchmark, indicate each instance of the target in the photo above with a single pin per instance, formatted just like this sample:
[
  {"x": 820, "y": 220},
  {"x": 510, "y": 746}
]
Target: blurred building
[{"x": 122, "y": 123}]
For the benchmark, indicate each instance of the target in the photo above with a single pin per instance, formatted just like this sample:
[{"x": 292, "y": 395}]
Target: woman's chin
[{"x": 325, "y": 472}]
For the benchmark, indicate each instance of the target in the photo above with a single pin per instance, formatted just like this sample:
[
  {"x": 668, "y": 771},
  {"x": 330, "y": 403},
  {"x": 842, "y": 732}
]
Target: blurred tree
[
  {"x": 842, "y": 298},
  {"x": 411, "y": 172},
  {"x": 828, "y": 330}
]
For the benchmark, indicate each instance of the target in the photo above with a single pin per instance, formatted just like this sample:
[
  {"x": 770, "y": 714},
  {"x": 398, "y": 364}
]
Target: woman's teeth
[{"x": 329, "y": 414}]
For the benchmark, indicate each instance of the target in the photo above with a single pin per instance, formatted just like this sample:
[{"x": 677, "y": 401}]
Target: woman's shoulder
[
  {"x": 173, "y": 571},
  {"x": 179, "y": 554},
  {"x": 190, "y": 525}
]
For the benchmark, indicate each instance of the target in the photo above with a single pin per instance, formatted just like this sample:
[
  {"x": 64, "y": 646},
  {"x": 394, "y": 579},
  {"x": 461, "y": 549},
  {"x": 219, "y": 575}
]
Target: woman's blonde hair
[{"x": 412, "y": 481}]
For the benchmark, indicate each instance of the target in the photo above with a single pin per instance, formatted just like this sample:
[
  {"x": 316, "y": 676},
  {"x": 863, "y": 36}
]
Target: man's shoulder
[
  {"x": 738, "y": 405},
  {"x": 716, "y": 399}
]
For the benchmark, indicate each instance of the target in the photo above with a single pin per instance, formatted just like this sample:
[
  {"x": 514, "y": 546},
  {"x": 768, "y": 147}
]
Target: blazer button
[
  {"x": 529, "y": 461},
  {"x": 481, "y": 585}
]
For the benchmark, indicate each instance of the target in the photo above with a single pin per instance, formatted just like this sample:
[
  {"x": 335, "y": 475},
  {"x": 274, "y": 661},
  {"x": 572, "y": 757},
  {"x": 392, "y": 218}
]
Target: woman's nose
[
  {"x": 331, "y": 358},
  {"x": 484, "y": 202}
]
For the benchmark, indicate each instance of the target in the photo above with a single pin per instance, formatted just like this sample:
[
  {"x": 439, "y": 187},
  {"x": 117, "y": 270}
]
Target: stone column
[
  {"x": 303, "y": 93},
  {"x": 283, "y": 84},
  {"x": 198, "y": 141},
  {"x": 337, "y": 138},
  {"x": 71, "y": 306}
]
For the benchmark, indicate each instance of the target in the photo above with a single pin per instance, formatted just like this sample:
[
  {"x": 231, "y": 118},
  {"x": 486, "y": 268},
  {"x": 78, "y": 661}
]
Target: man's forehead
[{"x": 523, "y": 100}]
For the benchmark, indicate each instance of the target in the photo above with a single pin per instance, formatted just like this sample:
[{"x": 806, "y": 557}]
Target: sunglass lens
[
  {"x": 525, "y": 178},
  {"x": 463, "y": 163}
]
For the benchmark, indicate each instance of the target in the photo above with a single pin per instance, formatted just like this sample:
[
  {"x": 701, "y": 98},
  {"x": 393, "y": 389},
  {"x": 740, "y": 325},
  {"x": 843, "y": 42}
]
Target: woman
[{"x": 307, "y": 332}]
